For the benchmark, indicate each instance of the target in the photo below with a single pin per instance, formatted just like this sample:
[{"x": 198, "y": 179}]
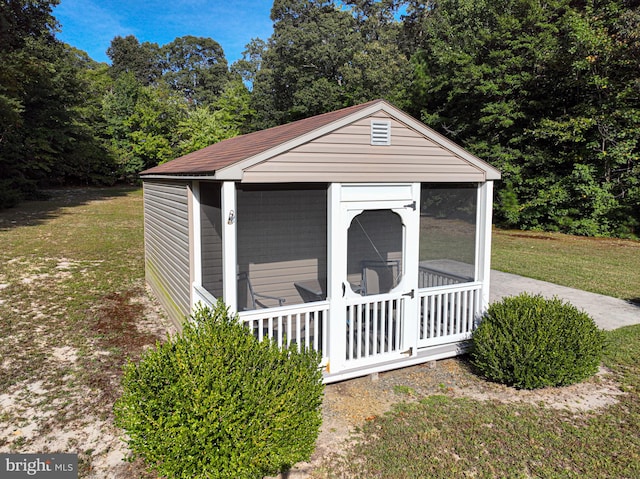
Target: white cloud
[{"x": 90, "y": 25}]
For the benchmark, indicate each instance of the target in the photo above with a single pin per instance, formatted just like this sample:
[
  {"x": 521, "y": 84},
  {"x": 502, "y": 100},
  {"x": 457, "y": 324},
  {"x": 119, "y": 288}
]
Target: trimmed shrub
[
  {"x": 215, "y": 402},
  {"x": 531, "y": 342}
]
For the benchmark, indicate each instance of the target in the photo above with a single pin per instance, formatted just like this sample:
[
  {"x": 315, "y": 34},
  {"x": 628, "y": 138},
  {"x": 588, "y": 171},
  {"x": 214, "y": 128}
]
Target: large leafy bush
[
  {"x": 531, "y": 342},
  {"x": 215, "y": 402}
]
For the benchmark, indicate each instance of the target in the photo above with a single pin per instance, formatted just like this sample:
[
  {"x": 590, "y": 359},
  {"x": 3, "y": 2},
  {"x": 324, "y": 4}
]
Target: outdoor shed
[{"x": 361, "y": 233}]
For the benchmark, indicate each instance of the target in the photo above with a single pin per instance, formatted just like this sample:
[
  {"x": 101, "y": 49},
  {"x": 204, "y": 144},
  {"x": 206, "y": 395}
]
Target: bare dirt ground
[
  {"x": 60, "y": 377},
  {"x": 63, "y": 401},
  {"x": 52, "y": 410}
]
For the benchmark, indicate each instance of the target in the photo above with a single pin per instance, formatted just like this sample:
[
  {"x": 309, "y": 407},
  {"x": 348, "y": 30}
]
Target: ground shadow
[
  {"x": 466, "y": 365},
  {"x": 36, "y": 212}
]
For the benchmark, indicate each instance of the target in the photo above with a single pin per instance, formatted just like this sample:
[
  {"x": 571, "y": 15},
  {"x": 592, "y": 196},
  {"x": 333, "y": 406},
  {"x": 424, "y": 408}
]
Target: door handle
[{"x": 344, "y": 289}]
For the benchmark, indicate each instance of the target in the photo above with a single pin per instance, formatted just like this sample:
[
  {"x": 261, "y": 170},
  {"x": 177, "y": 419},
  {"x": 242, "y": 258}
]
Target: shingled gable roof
[{"x": 261, "y": 145}]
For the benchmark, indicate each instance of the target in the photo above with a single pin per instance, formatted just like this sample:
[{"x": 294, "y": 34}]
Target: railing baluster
[
  {"x": 289, "y": 336},
  {"x": 388, "y": 310},
  {"x": 350, "y": 332},
  {"x": 315, "y": 329},
  {"x": 439, "y": 316},
  {"x": 298, "y": 339},
  {"x": 458, "y": 328},
  {"x": 363, "y": 311},
  {"x": 431, "y": 315},
  {"x": 375, "y": 326},
  {"x": 393, "y": 325},
  {"x": 279, "y": 330},
  {"x": 465, "y": 312},
  {"x": 325, "y": 332},
  {"x": 366, "y": 332},
  {"x": 382, "y": 330}
]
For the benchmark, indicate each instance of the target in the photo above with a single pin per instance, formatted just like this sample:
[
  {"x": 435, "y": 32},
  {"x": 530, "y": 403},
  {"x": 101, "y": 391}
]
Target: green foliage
[
  {"x": 225, "y": 118},
  {"x": 545, "y": 93},
  {"x": 142, "y": 60},
  {"x": 213, "y": 401},
  {"x": 45, "y": 139},
  {"x": 531, "y": 342},
  {"x": 195, "y": 67},
  {"x": 9, "y": 194},
  {"x": 324, "y": 55},
  {"x": 377, "y": 68},
  {"x": 190, "y": 102},
  {"x": 141, "y": 124}
]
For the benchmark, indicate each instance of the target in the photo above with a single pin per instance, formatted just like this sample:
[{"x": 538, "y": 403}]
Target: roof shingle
[{"x": 219, "y": 155}]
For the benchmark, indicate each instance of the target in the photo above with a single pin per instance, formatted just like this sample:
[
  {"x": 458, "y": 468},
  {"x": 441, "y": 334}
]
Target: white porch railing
[
  {"x": 448, "y": 313},
  {"x": 374, "y": 327},
  {"x": 305, "y": 325},
  {"x": 430, "y": 278},
  {"x": 202, "y": 296}
]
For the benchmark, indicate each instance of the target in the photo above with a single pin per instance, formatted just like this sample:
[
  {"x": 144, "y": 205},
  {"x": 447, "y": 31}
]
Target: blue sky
[{"x": 90, "y": 25}]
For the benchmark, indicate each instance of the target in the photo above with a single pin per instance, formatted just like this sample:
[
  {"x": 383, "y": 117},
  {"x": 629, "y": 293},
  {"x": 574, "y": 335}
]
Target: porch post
[
  {"x": 411, "y": 266},
  {"x": 336, "y": 265},
  {"x": 484, "y": 234},
  {"x": 229, "y": 253}
]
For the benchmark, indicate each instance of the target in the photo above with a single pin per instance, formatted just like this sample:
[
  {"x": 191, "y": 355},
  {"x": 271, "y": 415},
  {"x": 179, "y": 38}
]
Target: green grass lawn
[
  {"x": 445, "y": 437},
  {"x": 71, "y": 282},
  {"x": 72, "y": 302},
  {"x": 601, "y": 265}
]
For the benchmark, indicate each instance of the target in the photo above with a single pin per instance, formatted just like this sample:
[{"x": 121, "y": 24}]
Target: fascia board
[{"x": 187, "y": 177}]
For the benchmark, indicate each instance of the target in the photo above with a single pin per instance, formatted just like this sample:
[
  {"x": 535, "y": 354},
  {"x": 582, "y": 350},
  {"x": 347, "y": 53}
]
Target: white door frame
[{"x": 345, "y": 202}]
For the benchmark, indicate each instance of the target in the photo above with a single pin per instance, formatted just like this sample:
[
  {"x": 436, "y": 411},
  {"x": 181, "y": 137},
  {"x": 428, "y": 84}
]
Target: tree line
[{"x": 548, "y": 91}]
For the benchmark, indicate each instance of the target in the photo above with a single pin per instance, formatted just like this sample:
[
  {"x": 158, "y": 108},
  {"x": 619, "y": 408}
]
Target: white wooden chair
[{"x": 379, "y": 277}]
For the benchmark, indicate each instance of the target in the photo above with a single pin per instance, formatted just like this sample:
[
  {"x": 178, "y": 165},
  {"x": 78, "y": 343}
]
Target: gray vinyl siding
[
  {"x": 166, "y": 237},
  {"x": 346, "y": 155},
  {"x": 282, "y": 239},
  {"x": 211, "y": 235}
]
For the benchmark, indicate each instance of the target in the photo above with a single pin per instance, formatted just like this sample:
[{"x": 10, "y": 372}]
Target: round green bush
[
  {"x": 531, "y": 342},
  {"x": 215, "y": 402}
]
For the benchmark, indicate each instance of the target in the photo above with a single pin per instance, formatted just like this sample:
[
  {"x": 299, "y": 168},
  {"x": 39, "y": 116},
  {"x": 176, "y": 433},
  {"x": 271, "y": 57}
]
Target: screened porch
[{"x": 365, "y": 281}]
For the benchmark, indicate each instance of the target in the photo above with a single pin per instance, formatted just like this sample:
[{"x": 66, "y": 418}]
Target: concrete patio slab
[{"x": 608, "y": 312}]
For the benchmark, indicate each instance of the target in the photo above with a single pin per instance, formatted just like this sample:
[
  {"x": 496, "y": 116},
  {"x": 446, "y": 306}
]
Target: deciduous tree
[
  {"x": 325, "y": 55},
  {"x": 195, "y": 67},
  {"x": 128, "y": 55},
  {"x": 224, "y": 118},
  {"x": 43, "y": 138},
  {"x": 546, "y": 92}
]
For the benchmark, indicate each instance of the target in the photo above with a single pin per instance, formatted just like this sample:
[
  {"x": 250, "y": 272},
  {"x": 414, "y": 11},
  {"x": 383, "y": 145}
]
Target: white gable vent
[{"x": 380, "y": 132}]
